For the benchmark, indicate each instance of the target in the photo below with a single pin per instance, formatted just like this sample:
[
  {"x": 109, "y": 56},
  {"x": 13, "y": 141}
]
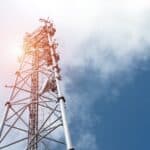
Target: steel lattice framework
[{"x": 35, "y": 111}]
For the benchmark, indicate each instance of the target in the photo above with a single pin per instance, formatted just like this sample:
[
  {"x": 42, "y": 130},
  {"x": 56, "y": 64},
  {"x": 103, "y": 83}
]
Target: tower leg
[
  {"x": 33, "y": 108},
  {"x": 65, "y": 125},
  {"x": 61, "y": 100}
]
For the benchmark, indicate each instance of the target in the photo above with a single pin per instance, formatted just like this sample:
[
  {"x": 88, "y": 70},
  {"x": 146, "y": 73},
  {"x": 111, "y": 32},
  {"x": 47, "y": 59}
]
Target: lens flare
[{"x": 16, "y": 50}]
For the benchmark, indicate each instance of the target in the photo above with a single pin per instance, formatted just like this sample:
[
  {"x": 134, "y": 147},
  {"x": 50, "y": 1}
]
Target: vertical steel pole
[
  {"x": 3, "y": 122},
  {"x": 61, "y": 100}
]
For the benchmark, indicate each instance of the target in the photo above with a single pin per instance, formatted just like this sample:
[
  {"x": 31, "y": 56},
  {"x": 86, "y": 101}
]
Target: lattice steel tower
[{"x": 35, "y": 112}]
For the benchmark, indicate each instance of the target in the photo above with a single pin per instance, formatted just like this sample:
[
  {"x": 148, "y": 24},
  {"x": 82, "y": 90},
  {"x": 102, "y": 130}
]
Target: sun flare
[{"x": 16, "y": 51}]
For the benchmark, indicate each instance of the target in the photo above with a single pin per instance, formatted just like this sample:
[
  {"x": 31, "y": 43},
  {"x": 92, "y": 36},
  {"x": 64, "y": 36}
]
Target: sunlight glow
[{"x": 15, "y": 51}]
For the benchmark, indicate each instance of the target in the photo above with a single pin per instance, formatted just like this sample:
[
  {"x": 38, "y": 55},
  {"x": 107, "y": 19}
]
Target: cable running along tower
[{"x": 35, "y": 112}]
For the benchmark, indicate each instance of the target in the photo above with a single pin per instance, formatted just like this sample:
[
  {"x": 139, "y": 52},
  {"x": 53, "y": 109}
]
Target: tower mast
[{"x": 35, "y": 110}]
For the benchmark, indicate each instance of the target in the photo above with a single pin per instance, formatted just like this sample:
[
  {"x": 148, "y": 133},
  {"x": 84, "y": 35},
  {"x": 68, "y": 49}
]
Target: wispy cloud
[{"x": 87, "y": 141}]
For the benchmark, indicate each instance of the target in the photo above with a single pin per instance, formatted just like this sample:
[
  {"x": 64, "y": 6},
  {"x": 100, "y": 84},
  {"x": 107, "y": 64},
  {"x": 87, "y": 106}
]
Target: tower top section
[
  {"x": 42, "y": 40},
  {"x": 39, "y": 39}
]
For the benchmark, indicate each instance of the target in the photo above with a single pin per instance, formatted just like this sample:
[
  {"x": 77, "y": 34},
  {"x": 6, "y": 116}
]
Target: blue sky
[
  {"x": 105, "y": 59},
  {"x": 126, "y": 122},
  {"x": 115, "y": 120}
]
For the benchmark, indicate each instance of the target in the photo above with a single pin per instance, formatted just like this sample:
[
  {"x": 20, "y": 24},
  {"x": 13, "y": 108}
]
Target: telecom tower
[{"x": 35, "y": 111}]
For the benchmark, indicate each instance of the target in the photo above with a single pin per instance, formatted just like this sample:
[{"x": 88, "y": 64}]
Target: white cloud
[{"x": 87, "y": 141}]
